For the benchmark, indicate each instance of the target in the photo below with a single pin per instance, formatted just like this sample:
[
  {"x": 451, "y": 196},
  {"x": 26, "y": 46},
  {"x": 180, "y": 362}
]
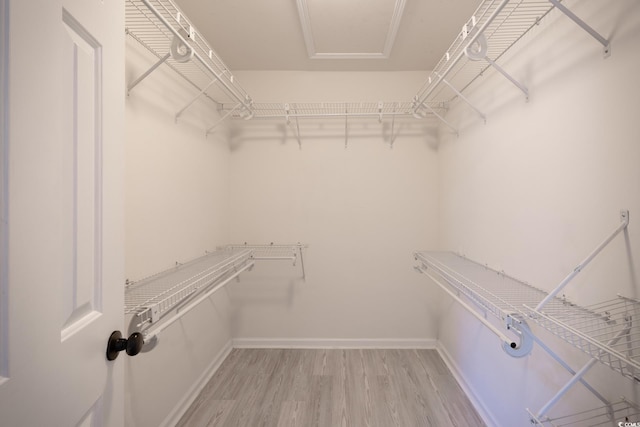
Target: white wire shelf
[
  {"x": 154, "y": 297},
  {"x": 312, "y": 110},
  {"x": 494, "y": 28},
  {"x": 159, "y": 300},
  {"x": 161, "y": 27},
  {"x": 492, "y": 291},
  {"x": 608, "y": 331},
  {"x": 274, "y": 252},
  {"x": 502, "y": 28},
  {"x": 611, "y": 415}
]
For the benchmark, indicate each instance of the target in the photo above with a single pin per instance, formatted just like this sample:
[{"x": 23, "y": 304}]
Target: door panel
[
  {"x": 63, "y": 140},
  {"x": 82, "y": 91},
  {"x": 4, "y": 241}
]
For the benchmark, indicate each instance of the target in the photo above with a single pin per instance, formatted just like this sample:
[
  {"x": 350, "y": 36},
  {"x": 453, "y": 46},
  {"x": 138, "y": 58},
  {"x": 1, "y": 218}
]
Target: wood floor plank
[
  {"x": 293, "y": 414},
  {"x": 320, "y": 400},
  {"x": 331, "y": 388},
  {"x": 211, "y": 414},
  {"x": 457, "y": 404},
  {"x": 386, "y": 411}
]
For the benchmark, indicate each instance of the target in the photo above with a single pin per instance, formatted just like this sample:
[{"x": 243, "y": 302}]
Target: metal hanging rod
[
  {"x": 154, "y": 332},
  {"x": 503, "y": 337}
]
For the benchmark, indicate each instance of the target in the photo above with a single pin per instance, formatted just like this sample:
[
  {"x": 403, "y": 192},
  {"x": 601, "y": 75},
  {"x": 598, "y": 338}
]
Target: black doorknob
[{"x": 131, "y": 345}]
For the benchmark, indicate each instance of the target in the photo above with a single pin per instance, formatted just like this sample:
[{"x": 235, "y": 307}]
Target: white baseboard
[
  {"x": 483, "y": 411},
  {"x": 334, "y": 343},
  {"x": 193, "y": 392}
]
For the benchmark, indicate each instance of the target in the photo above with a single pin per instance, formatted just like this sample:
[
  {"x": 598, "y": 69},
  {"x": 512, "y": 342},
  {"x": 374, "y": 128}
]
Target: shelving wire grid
[
  {"x": 503, "y": 29},
  {"x": 154, "y": 34},
  {"x": 621, "y": 411},
  {"x": 152, "y": 298},
  {"x": 607, "y": 331},
  {"x": 309, "y": 110},
  {"x": 271, "y": 252}
]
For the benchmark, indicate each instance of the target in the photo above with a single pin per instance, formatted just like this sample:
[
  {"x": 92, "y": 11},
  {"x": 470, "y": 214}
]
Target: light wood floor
[{"x": 327, "y": 388}]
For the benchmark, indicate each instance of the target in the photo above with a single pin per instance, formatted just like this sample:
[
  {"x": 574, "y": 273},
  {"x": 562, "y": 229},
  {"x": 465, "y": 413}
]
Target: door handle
[{"x": 131, "y": 345}]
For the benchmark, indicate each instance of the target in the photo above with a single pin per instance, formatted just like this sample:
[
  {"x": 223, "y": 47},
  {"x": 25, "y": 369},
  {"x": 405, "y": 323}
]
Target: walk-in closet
[{"x": 319, "y": 213}]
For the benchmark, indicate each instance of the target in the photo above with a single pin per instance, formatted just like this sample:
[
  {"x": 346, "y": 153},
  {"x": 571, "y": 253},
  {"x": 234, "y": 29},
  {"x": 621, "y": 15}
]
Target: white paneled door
[{"x": 61, "y": 248}]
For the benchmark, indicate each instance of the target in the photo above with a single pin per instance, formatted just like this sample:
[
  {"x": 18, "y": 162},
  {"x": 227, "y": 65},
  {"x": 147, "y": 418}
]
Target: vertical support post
[
  {"x": 304, "y": 276},
  {"x": 346, "y": 130},
  {"x": 393, "y": 122},
  {"x": 298, "y": 133}
]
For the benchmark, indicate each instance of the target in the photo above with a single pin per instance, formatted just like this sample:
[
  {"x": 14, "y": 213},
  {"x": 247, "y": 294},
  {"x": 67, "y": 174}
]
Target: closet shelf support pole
[
  {"x": 577, "y": 377},
  {"x": 568, "y": 368},
  {"x": 346, "y": 127},
  {"x": 393, "y": 123},
  {"x": 146, "y": 73},
  {"x": 442, "y": 119},
  {"x": 222, "y": 119},
  {"x": 596, "y": 35},
  {"x": 298, "y": 133},
  {"x": 179, "y": 113},
  {"x": 624, "y": 217},
  {"x": 508, "y": 77},
  {"x": 304, "y": 276},
  {"x": 464, "y": 98}
]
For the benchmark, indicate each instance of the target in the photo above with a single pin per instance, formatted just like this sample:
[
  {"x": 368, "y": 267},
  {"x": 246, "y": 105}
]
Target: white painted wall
[
  {"x": 362, "y": 210},
  {"x": 534, "y": 190},
  {"x": 176, "y": 209},
  {"x": 530, "y": 192}
]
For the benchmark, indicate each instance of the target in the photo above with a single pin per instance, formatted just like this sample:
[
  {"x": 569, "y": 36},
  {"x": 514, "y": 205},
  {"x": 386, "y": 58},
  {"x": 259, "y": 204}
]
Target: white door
[{"x": 61, "y": 248}]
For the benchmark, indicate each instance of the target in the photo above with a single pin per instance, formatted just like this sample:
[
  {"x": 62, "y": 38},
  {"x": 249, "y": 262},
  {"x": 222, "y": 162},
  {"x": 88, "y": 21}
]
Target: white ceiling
[{"x": 329, "y": 35}]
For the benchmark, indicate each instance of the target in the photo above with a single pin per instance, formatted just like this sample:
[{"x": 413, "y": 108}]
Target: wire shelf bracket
[
  {"x": 195, "y": 98},
  {"x": 162, "y": 28},
  {"x": 465, "y": 99},
  {"x": 593, "y": 33},
  {"x": 493, "y": 29},
  {"x": 610, "y": 414},
  {"x": 607, "y": 331},
  {"x": 275, "y": 252},
  {"x": 158, "y": 301}
]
